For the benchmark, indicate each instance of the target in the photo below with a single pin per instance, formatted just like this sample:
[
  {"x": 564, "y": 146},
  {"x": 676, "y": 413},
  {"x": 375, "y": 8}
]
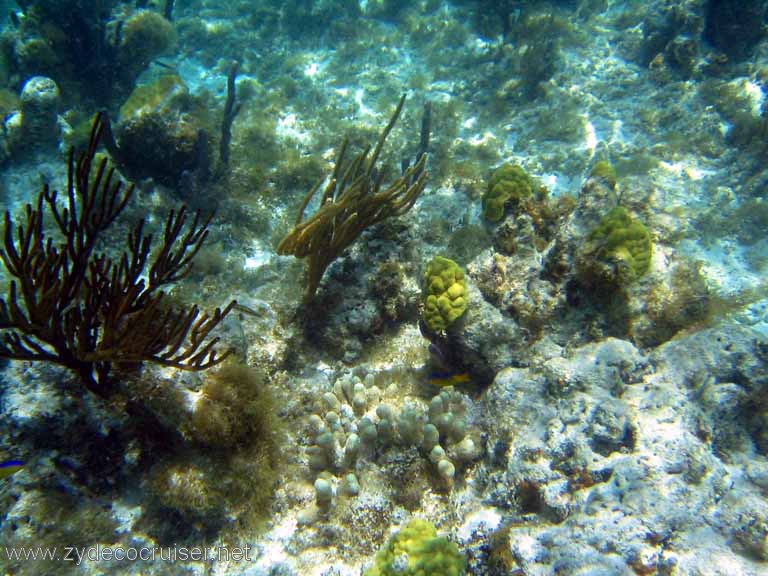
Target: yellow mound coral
[
  {"x": 445, "y": 293},
  {"x": 417, "y": 550}
]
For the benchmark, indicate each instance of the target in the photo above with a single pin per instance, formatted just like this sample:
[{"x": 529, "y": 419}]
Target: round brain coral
[
  {"x": 417, "y": 550},
  {"x": 445, "y": 293},
  {"x": 509, "y": 183}
]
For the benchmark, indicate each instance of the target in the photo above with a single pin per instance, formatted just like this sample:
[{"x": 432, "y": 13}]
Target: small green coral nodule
[
  {"x": 621, "y": 239},
  {"x": 445, "y": 293},
  {"x": 417, "y": 550},
  {"x": 508, "y": 184}
]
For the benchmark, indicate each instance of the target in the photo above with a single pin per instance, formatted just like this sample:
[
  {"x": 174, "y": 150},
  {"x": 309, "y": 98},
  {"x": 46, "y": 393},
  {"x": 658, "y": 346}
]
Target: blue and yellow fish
[
  {"x": 442, "y": 374},
  {"x": 10, "y": 467}
]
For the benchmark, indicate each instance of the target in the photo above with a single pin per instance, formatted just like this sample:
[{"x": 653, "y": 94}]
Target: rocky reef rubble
[
  {"x": 609, "y": 461},
  {"x": 597, "y": 459}
]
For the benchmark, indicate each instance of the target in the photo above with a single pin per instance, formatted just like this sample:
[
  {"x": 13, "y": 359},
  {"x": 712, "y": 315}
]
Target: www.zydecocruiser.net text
[{"x": 99, "y": 553}]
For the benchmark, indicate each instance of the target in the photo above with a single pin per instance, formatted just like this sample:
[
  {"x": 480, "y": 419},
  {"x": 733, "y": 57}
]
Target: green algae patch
[
  {"x": 604, "y": 170},
  {"x": 222, "y": 481},
  {"x": 445, "y": 293}
]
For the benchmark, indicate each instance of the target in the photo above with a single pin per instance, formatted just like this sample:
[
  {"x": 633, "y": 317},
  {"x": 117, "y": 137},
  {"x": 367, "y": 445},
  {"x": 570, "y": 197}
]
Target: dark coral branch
[
  {"x": 168, "y": 9},
  {"x": 231, "y": 109},
  {"x": 68, "y": 305}
]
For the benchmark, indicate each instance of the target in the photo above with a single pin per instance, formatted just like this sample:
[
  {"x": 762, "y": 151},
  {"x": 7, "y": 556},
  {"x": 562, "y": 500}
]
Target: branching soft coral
[
  {"x": 75, "y": 307},
  {"x": 352, "y": 201}
]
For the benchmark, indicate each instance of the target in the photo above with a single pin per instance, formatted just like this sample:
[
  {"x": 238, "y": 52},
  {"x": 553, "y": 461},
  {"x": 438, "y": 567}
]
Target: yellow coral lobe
[
  {"x": 436, "y": 285},
  {"x": 605, "y": 171},
  {"x": 455, "y": 291}
]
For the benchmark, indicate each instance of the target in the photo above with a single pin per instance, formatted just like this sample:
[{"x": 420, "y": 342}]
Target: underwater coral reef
[{"x": 485, "y": 281}]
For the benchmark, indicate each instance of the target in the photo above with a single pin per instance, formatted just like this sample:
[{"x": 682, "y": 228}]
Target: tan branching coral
[{"x": 352, "y": 201}]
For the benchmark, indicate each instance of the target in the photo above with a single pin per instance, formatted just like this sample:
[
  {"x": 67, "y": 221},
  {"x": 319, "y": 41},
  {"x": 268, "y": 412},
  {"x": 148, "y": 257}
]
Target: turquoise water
[{"x": 484, "y": 281}]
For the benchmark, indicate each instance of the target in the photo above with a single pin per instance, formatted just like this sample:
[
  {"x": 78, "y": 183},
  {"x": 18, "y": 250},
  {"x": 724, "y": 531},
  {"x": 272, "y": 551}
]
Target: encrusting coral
[
  {"x": 36, "y": 125},
  {"x": 73, "y": 306},
  {"x": 352, "y": 201},
  {"x": 352, "y": 423}
]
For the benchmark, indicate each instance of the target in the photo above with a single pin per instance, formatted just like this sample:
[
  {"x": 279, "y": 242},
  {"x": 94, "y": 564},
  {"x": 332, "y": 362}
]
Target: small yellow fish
[
  {"x": 10, "y": 467},
  {"x": 443, "y": 379}
]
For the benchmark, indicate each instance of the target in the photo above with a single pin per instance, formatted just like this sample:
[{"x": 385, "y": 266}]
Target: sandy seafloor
[{"x": 600, "y": 444}]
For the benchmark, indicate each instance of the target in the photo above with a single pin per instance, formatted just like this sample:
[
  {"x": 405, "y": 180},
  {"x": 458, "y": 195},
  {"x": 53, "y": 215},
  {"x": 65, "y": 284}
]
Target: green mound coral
[
  {"x": 623, "y": 243},
  {"x": 417, "y": 550},
  {"x": 163, "y": 132},
  {"x": 445, "y": 293},
  {"x": 508, "y": 184}
]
